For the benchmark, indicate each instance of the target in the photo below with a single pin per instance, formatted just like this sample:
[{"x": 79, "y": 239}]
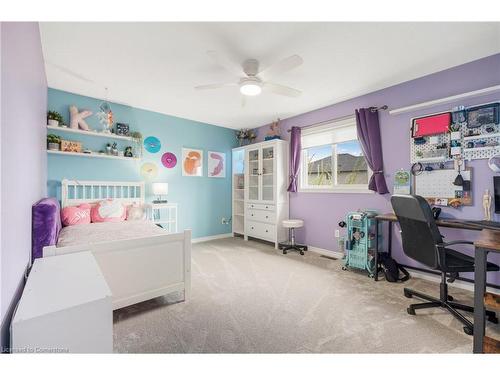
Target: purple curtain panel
[
  {"x": 368, "y": 128},
  {"x": 294, "y": 158}
]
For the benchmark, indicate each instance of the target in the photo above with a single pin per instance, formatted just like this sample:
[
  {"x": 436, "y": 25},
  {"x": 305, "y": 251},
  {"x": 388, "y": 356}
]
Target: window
[{"x": 332, "y": 159}]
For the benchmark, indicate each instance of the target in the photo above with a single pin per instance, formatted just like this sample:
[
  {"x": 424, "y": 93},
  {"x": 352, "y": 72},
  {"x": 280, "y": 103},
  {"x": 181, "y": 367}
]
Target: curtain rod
[{"x": 373, "y": 109}]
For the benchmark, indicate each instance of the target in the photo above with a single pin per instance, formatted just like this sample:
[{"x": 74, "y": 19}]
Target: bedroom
[{"x": 249, "y": 187}]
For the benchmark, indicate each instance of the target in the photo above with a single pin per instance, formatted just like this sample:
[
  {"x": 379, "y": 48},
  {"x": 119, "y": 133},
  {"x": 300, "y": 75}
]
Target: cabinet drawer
[
  {"x": 260, "y": 206},
  {"x": 261, "y": 215},
  {"x": 260, "y": 230}
]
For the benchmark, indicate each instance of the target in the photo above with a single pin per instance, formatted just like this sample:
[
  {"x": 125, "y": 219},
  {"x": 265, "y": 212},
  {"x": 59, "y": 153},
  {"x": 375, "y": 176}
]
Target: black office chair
[{"x": 423, "y": 243}]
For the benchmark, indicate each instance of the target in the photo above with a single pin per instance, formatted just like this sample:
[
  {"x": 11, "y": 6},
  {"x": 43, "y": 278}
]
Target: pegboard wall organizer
[{"x": 481, "y": 142}]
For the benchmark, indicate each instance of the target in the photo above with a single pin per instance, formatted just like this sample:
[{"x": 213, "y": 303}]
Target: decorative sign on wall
[
  {"x": 169, "y": 160},
  {"x": 149, "y": 171},
  {"x": 216, "y": 164},
  {"x": 152, "y": 144},
  {"x": 402, "y": 182},
  {"x": 192, "y": 162}
]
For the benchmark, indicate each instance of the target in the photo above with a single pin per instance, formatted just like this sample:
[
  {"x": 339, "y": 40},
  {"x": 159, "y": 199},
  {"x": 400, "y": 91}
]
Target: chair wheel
[
  {"x": 301, "y": 253},
  {"x": 371, "y": 275},
  {"x": 450, "y": 298},
  {"x": 493, "y": 319},
  {"x": 284, "y": 251},
  {"x": 468, "y": 330},
  {"x": 344, "y": 268},
  {"x": 410, "y": 311},
  {"x": 408, "y": 294}
]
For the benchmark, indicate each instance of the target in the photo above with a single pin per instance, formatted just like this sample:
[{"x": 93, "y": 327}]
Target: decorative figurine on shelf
[
  {"x": 274, "y": 131},
  {"x": 487, "y": 205},
  {"x": 108, "y": 149},
  {"x": 106, "y": 120},
  {"x": 77, "y": 119},
  {"x": 128, "y": 152},
  {"x": 114, "y": 149}
]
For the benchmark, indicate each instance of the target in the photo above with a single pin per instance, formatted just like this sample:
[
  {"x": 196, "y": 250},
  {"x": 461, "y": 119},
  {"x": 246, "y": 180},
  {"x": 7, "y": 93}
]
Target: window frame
[{"x": 334, "y": 188}]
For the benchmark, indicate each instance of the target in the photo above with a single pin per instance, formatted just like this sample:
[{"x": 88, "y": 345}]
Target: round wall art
[
  {"x": 149, "y": 171},
  {"x": 169, "y": 160},
  {"x": 152, "y": 144}
]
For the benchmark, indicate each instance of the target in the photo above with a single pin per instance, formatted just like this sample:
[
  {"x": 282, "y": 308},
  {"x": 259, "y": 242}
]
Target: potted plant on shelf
[
  {"x": 54, "y": 118},
  {"x": 53, "y": 142}
]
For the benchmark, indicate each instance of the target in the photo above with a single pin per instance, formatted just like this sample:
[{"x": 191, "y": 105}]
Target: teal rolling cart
[{"x": 362, "y": 244}]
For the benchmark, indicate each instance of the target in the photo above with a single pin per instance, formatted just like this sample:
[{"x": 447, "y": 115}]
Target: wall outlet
[
  {"x": 224, "y": 221},
  {"x": 337, "y": 233}
]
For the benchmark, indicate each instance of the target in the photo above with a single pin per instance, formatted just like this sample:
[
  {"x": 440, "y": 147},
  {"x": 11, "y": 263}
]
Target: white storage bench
[{"x": 66, "y": 307}]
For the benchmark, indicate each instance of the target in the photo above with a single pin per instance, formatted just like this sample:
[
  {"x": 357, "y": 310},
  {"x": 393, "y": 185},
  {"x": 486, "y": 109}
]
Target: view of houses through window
[{"x": 335, "y": 165}]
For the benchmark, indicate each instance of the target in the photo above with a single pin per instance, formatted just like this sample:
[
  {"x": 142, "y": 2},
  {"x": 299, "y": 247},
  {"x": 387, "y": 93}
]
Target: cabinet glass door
[
  {"x": 268, "y": 172},
  {"x": 253, "y": 174}
]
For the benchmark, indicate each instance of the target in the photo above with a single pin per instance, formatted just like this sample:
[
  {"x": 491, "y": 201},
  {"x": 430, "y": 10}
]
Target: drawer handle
[
  {"x": 252, "y": 228},
  {"x": 267, "y": 217},
  {"x": 252, "y": 214},
  {"x": 267, "y": 231}
]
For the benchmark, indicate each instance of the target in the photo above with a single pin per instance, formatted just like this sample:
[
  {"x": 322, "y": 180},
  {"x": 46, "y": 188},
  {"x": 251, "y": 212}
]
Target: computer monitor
[{"x": 496, "y": 185}]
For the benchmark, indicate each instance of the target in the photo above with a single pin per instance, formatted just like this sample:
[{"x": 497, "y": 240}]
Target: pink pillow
[
  {"x": 108, "y": 211},
  {"x": 75, "y": 215}
]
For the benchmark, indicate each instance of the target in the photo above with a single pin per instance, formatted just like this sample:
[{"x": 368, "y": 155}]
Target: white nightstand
[{"x": 165, "y": 215}]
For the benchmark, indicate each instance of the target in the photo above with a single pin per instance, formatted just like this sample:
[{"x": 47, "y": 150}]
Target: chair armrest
[{"x": 458, "y": 242}]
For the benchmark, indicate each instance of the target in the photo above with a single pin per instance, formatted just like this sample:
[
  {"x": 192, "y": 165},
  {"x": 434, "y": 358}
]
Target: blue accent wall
[{"x": 202, "y": 201}]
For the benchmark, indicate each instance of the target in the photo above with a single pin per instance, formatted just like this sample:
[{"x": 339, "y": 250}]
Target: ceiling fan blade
[
  {"x": 230, "y": 66},
  {"x": 281, "y": 67},
  {"x": 282, "y": 90},
  {"x": 70, "y": 72},
  {"x": 215, "y": 86}
]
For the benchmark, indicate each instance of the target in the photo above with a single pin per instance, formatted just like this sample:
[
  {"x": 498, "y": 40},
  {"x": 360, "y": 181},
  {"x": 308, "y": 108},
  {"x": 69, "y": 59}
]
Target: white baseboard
[
  {"x": 328, "y": 253},
  {"x": 437, "y": 279},
  {"x": 211, "y": 238}
]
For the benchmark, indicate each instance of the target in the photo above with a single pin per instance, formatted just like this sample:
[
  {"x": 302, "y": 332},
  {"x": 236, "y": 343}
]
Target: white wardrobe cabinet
[{"x": 265, "y": 199}]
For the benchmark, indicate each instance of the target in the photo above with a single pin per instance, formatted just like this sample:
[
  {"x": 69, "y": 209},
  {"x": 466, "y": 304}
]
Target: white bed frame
[{"x": 135, "y": 269}]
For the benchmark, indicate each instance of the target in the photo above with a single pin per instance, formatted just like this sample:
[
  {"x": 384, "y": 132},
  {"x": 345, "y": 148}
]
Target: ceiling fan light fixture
[{"x": 250, "y": 88}]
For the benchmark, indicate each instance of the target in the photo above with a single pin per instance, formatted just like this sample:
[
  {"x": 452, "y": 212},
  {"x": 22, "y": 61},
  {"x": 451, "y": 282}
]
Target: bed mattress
[{"x": 101, "y": 232}]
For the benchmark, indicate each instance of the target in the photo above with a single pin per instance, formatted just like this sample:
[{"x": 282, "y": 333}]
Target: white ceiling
[{"x": 156, "y": 65}]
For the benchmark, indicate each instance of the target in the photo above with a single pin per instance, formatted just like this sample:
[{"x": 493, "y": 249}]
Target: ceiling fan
[{"x": 252, "y": 81}]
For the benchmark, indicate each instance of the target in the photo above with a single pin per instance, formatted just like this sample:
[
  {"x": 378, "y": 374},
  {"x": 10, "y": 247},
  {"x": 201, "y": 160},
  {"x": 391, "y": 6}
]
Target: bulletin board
[{"x": 437, "y": 187}]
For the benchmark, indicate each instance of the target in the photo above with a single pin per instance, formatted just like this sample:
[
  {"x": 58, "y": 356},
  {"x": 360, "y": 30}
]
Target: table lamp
[{"x": 160, "y": 189}]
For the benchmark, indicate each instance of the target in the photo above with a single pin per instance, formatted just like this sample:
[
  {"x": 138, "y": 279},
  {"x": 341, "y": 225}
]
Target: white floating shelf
[
  {"x": 435, "y": 159},
  {"x": 485, "y": 148},
  {"x": 448, "y": 99},
  {"x": 482, "y": 136},
  {"x": 90, "y": 132},
  {"x": 93, "y": 155}
]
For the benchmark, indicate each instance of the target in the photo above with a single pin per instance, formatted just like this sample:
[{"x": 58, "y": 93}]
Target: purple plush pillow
[{"x": 46, "y": 224}]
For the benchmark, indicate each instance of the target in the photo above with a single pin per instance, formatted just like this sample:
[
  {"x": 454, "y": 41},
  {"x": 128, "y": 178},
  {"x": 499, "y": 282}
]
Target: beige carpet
[{"x": 249, "y": 298}]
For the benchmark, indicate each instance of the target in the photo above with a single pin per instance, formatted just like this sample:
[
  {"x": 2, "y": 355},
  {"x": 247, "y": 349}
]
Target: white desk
[{"x": 65, "y": 307}]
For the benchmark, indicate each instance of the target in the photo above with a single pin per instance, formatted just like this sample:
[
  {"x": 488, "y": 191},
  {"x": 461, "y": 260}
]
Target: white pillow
[{"x": 136, "y": 212}]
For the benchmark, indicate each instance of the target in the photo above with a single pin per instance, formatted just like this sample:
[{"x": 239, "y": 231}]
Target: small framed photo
[{"x": 122, "y": 129}]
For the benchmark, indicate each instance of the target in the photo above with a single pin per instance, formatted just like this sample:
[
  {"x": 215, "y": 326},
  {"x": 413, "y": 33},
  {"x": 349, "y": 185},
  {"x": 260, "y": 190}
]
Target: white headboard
[{"x": 75, "y": 192}]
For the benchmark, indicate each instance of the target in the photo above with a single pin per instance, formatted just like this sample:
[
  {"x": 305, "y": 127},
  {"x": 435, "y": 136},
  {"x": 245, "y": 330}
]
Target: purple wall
[
  {"x": 322, "y": 211},
  {"x": 22, "y": 151}
]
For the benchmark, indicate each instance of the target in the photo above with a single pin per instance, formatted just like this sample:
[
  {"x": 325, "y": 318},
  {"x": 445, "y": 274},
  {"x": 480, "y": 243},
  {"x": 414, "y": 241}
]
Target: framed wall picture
[
  {"x": 192, "y": 162},
  {"x": 216, "y": 164},
  {"x": 122, "y": 129}
]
